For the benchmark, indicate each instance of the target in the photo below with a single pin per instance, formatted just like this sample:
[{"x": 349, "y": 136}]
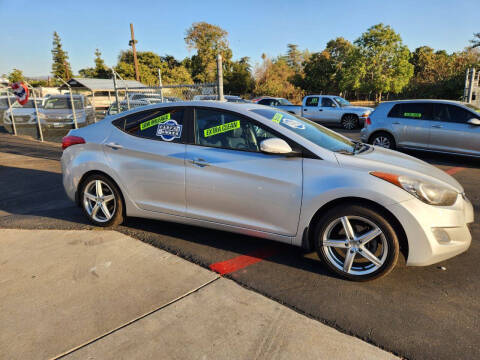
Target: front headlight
[{"x": 429, "y": 193}]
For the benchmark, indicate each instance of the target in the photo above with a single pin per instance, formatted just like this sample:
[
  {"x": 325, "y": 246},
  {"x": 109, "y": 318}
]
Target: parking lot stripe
[
  {"x": 242, "y": 261},
  {"x": 454, "y": 170}
]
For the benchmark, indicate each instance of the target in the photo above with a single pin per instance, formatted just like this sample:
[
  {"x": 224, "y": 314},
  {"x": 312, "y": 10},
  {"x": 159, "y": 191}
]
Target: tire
[
  {"x": 350, "y": 122},
  {"x": 383, "y": 139},
  {"x": 93, "y": 204},
  {"x": 335, "y": 252}
]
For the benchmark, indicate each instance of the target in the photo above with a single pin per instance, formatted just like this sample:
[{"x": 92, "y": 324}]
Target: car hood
[
  {"x": 394, "y": 162},
  {"x": 58, "y": 112}
]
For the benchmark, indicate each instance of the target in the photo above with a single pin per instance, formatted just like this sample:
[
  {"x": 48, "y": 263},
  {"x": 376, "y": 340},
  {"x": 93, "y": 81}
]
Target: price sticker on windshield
[{"x": 277, "y": 117}]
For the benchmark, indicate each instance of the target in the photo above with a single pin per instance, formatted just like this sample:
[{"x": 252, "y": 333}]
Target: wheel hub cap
[{"x": 99, "y": 201}]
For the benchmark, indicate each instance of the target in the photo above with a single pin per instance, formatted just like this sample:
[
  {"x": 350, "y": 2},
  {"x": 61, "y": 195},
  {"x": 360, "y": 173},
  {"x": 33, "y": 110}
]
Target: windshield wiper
[
  {"x": 344, "y": 152},
  {"x": 360, "y": 147}
]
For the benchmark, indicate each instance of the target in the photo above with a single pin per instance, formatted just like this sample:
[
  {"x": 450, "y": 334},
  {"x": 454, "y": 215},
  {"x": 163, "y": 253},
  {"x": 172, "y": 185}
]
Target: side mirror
[
  {"x": 275, "y": 146},
  {"x": 474, "y": 121},
  {"x": 334, "y": 105}
]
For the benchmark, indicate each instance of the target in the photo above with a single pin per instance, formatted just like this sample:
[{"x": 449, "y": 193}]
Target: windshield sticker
[
  {"x": 277, "y": 117},
  {"x": 169, "y": 130},
  {"x": 314, "y": 100},
  {"x": 221, "y": 128},
  {"x": 414, "y": 115},
  {"x": 154, "y": 121},
  {"x": 294, "y": 124}
]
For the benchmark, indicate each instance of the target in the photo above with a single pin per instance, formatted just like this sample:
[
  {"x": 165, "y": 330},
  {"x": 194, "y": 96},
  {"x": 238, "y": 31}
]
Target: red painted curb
[
  {"x": 454, "y": 170},
  {"x": 242, "y": 261}
]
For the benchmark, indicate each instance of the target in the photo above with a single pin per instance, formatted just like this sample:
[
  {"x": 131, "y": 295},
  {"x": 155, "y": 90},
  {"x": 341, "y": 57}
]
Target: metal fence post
[
  {"x": 116, "y": 89},
  {"x": 160, "y": 84},
  {"x": 220, "y": 77},
  {"x": 71, "y": 100},
  {"x": 470, "y": 87},
  {"x": 11, "y": 114},
  {"x": 94, "y": 106},
  {"x": 37, "y": 115}
]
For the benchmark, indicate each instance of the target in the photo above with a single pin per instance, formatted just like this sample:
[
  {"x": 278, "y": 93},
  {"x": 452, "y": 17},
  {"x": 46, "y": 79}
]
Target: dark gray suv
[{"x": 431, "y": 125}]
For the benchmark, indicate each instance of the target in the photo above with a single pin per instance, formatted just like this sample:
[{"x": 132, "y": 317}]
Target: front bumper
[{"x": 434, "y": 233}]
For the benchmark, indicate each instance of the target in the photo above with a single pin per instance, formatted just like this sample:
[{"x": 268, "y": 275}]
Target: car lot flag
[{"x": 21, "y": 92}]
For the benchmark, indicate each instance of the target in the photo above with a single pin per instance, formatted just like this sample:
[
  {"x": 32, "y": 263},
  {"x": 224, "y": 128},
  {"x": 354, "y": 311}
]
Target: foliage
[
  {"x": 476, "y": 40},
  {"x": 100, "y": 71},
  {"x": 238, "y": 79},
  {"x": 209, "y": 41},
  {"x": 60, "y": 66},
  {"x": 16, "y": 76},
  {"x": 384, "y": 61}
]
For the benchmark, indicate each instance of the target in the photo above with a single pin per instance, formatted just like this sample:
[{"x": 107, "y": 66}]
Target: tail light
[
  {"x": 71, "y": 140},
  {"x": 368, "y": 121}
]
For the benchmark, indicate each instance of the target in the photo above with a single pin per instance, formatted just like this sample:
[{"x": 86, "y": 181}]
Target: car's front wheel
[
  {"x": 356, "y": 242},
  {"x": 384, "y": 140},
  {"x": 101, "y": 201}
]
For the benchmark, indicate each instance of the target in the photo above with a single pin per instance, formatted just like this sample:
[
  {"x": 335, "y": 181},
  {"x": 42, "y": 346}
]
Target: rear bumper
[{"x": 434, "y": 233}]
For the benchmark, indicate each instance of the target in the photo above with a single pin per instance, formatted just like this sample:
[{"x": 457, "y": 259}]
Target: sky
[{"x": 254, "y": 27}]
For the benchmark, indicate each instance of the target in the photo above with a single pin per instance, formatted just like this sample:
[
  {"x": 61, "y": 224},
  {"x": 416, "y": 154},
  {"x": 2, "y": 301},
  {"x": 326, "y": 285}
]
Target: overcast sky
[{"x": 254, "y": 27}]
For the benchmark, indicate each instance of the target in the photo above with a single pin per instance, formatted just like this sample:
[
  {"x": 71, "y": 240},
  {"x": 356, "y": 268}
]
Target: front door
[
  {"x": 329, "y": 111},
  {"x": 147, "y": 152},
  {"x": 450, "y": 130},
  {"x": 229, "y": 181}
]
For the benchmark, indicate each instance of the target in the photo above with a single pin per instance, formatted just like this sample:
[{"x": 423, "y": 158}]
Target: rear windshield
[{"x": 309, "y": 130}]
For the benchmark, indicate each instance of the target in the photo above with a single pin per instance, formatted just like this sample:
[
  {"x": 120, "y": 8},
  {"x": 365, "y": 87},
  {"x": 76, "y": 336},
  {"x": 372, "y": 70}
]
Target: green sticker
[
  {"x": 414, "y": 115},
  {"x": 221, "y": 128},
  {"x": 154, "y": 121},
  {"x": 277, "y": 117},
  {"x": 314, "y": 100}
]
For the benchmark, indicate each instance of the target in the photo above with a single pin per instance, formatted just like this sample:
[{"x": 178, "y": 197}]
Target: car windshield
[
  {"x": 309, "y": 130},
  {"x": 29, "y": 104},
  {"x": 473, "y": 107},
  {"x": 341, "y": 101},
  {"x": 284, "y": 102},
  {"x": 62, "y": 103}
]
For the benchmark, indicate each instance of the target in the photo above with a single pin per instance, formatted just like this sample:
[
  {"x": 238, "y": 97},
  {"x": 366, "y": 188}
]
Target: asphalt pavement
[{"x": 417, "y": 313}]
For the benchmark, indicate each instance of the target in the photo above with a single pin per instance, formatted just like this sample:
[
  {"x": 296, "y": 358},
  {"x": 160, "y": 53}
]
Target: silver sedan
[{"x": 263, "y": 172}]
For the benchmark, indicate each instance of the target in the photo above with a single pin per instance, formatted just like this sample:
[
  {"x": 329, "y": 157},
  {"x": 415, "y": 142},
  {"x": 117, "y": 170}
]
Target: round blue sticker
[{"x": 169, "y": 130}]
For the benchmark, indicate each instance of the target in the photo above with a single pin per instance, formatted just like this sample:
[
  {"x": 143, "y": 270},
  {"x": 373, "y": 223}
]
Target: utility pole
[{"x": 132, "y": 44}]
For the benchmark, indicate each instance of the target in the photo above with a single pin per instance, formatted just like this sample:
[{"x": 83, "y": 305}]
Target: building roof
[{"x": 100, "y": 84}]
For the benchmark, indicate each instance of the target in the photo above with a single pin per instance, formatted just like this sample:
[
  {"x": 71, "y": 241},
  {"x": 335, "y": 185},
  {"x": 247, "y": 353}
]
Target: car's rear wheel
[
  {"x": 384, "y": 140},
  {"x": 356, "y": 242},
  {"x": 350, "y": 122},
  {"x": 101, "y": 201}
]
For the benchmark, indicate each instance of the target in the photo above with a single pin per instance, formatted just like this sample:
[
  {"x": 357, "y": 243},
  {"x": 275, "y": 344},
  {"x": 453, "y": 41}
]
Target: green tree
[
  {"x": 209, "y": 41},
  {"x": 100, "y": 71},
  {"x": 476, "y": 40},
  {"x": 385, "y": 61},
  {"x": 60, "y": 66},
  {"x": 319, "y": 71},
  {"x": 238, "y": 79},
  {"x": 16, "y": 76},
  {"x": 272, "y": 79}
]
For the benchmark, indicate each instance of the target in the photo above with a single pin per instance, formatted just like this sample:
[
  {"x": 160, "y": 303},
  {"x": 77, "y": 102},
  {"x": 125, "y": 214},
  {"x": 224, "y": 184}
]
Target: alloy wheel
[
  {"x": 349, "y": 122},
  {"x": 99, "y": 201},
  {"x": 355, "y": 245},
  {"x": 382, "y": 141}
]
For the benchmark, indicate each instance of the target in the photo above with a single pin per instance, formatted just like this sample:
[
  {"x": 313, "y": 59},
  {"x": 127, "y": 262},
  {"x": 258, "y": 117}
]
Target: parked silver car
[
  {"x": 279, "y": 103},
  {"x": 430, "y": 125},
  {"x": 23, "y": 114},
  {"x": 57, "y": 111},
  {"x": 263, "y": 172}
]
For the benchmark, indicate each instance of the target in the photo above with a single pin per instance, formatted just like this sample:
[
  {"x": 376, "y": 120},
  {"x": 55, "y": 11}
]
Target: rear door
[
  {"x": 147, "y": 152},
  {"x": 450, "y": 130},
  {"x": 229, "y": 181},
  {"x": 410, "y": 123},
  {"x": 311, "y": 108}
]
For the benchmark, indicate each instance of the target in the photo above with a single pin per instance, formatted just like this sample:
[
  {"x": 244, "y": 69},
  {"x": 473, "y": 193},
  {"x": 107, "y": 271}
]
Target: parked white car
[{"x": 23, "y": 114}]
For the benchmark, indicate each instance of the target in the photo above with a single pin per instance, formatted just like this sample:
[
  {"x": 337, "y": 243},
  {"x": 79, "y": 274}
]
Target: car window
[
  {"x": 284, "y": 102},
  {"x": 327, "y": 102},
  {"x": 227, "y": 130},
  {"x": 313, "y": 132},
  {"x": 415, "y": 111},
  {"x": 62, "y": 103},
  {"x": 265, "y": 102},
  {"x": 165, "y": 124},
  {"x": 312, "y": 101},
  {"x": 459, "y": 115}
]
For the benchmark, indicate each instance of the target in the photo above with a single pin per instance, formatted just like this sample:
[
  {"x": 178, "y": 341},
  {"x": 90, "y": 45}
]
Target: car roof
[{"x": 424, "y": 100}]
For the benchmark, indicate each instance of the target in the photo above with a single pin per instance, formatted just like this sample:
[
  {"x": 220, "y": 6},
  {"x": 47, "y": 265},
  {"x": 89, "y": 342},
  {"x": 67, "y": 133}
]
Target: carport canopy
[{"x": 95, "y": 85}]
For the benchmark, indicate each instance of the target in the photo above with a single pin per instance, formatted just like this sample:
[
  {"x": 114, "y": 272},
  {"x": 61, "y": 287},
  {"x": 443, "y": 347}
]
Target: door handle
[
  {"x": 396, "y": 123},
  {"x": 305, "y": 109},
  {"x": 320, "y": 109},
  {"x": 199, "y": 162},
  {"x": 114, "y": 145},
  {"x": 437, "y": 126}
]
